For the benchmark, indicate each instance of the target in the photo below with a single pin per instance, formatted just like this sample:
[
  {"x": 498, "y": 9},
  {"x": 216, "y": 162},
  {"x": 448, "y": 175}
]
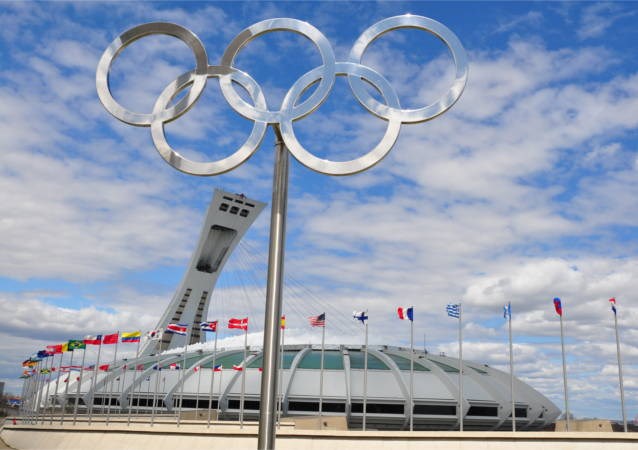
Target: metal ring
[
  {"x": 422, "y": 23},
  {"x": 127, "y": 38},
  {"x": 223, "y": 165},
  {"x": 308, "y": 105},
  {"x": 355, "y": 165}
]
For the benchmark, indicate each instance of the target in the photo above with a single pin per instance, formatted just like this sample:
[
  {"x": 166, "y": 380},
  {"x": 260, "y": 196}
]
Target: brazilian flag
[{"x": 76, "y": 345}]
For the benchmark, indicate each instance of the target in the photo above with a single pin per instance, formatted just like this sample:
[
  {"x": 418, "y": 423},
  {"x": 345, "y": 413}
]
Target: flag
[
  {"x": 65, "y": 347},
  {"x": 318, "y": 321},
  {"x": 360, "y": 315},
  {"x": 76, "y": 345},
  {"x": 507, "y": 311},
  {"x": 154, "y": 335},
  {"x": 93, "y": 340},
  {"x": 132, "y": 336},
  {"x": 240, "y": 324},
  {"x": 406, "y": 313},
  {"x": 173, "y": 366},
  {"x": 139, "y": 367},
  {"x": 196, "y": 368},
  {"x": 210, "y": 327},
  {"x": 238, "y": 368},
  {"x": 218, "y": 368},
  {"x": 111, "y": 338},
  {"x": 45, "y": 371},
  {"x": 104, "y": 367},
  {"x": 282, "y": 323},
  {"x": 54, "y": 349},
  {"x": 43, "y": 354},
  {"x": 261, "y": 369},
  {"x": 177, "y": 328},
  {"x": 558, "y": 306},
  {"x": 612, "y": 302},
  {"x": 453, "y": 310},
  {"x": 29, "y": 363}
]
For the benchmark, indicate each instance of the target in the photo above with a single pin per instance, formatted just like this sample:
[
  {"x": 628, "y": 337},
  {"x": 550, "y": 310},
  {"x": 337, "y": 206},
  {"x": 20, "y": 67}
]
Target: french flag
[
  {"x": 177, "y": 328},
  {"x": 405, "y": 313}
]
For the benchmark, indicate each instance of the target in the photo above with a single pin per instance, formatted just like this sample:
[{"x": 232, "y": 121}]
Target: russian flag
[
  {"x": 177, "y": 328},
  {"x": 558, "y": 306},
  {"x": 406, "y": 313}
]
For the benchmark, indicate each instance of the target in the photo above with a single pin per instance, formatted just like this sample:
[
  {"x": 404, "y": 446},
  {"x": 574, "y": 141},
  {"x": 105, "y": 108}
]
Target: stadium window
[
  {"x": 223, "y": 207},
  {"x": 243, "y": 213},
  {"x": 435, "y": 410},
  {"x": 484, "y": 411},
  {"x": 234, "y": 210}
]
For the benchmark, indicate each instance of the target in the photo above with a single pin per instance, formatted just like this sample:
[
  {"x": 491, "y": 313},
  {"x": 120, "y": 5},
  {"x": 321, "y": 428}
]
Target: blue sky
[{"x": 525, "y": 190}]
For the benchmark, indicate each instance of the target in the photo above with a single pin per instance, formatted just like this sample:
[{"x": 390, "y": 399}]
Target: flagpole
[
  {"x": 130, "y": 402},
  {"x": 157, "y": 377},
  {"x": 461, "y": 396},
  {"x": 46, "y": 398},
  {"x": 562, "y": 344},
  {"x": 212, "y": 381},
  {"x": 66, "y": 389},
  {"x": 199, "y": 382},
  {"x": 280, "y": 396},
  {"x": 412, "y": 374},
  {"x": 323, "y": 340},
  {"x": 57, "y": 387},
  {"x": 509, "y": 313},
  {"x": 365, "y": 377},
  {"x": 620, "y": 377},
  {"x": 96, "y": 369},
  {"x": 40, "y": 388},
  {"x": 243, "y": 381},
  {"x": 108, "y": 407},
  {"x": 77, "y": 391},
  {"x": 181, "y": 377}
]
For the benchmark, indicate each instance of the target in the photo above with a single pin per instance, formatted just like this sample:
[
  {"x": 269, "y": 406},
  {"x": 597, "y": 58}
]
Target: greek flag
[{"x": 454, "y": 310}]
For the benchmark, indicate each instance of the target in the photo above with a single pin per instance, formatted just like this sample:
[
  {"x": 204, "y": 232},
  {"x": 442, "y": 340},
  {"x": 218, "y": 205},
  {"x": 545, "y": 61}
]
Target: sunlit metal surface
[{"x": 322, "y": 79}]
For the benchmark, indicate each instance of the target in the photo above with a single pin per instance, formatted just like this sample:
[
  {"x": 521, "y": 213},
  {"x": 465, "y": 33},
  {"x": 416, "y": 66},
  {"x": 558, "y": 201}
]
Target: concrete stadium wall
[{"x": 166, "y": 436}]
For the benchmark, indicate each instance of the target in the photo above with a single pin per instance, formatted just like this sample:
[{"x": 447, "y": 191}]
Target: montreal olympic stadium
[
  {"x": 146, "y": 384},
  {"x": 486, "y": 403}
]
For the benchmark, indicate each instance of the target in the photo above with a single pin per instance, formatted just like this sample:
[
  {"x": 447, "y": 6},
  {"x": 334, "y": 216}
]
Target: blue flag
[{"x": 507, "y": 311}]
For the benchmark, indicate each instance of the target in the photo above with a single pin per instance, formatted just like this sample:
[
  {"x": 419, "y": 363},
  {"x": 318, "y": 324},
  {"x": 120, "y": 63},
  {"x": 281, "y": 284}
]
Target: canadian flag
[{"x": 240, "y": 324}]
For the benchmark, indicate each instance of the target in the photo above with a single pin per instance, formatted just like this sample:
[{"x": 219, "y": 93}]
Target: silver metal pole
[
  {"x": 562, "y": 344},
  {"x": 57, "y": 387},
  {"x": 157, "y": 377},
  {"x": 199, "y": 382},
  {"x": 365, "y": 378},
  {"x": 182, "y": 378},
  {"x": 461, "y": 396},
  {"x": 274, "y": 287},
  {"x": 243, "y": 381},
  {"x": 77, "y": 391},
  {"x": 41, "y": 380},
  {"x": 108, "y": 407},
  {"x": 46, "y": 398},
  {"x": 96, "y": 369},
  {"x": 323, "y": 341},
  {"x": 411, "y": 375},
  {"x": 212, "y": 380},
  {"x": 66, "y": 389},
  {"x": 512, "y": 371},
  {"x": 620, "y": 379},
  {"x": 130, "y": 402},
  {"x": 280, "y": 395}
]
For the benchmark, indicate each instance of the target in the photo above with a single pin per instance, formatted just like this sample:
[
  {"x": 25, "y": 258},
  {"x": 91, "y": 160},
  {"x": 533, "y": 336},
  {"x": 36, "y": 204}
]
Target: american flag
[{"x": 318, "y": 321}]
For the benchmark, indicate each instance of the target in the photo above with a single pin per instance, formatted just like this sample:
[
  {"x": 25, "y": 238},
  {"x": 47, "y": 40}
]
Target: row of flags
[{"x": 404, "y": 313}]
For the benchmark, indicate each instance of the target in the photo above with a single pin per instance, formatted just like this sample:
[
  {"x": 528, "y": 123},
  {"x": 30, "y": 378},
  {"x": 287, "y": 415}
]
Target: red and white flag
[
  {"x": 238, "y": 368},
  {"x": 177, "y": 328},
  {"x": 240, "y": 324}
]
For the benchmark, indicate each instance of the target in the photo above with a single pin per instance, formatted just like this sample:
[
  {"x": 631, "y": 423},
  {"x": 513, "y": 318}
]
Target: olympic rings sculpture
[{"x": 323, "y": 77}]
